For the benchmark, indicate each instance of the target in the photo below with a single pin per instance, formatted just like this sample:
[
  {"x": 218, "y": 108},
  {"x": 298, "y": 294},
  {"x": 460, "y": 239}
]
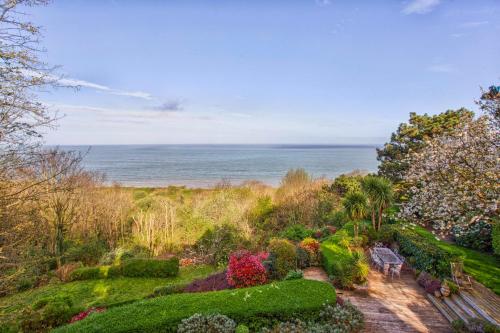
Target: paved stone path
[{"x": 315, "y": 273}]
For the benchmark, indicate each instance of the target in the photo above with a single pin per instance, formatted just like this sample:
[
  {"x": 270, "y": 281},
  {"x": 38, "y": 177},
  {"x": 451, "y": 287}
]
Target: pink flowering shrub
[
  {"x": 245, "y": 270},
  {"x": 84, "y": 314}
]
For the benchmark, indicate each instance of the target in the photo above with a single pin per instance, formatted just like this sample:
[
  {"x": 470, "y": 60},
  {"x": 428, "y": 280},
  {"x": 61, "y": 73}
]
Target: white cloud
[
  {"x": 76, "y": 83},
  {"x": 420, "y": 6},
  {"x": 86, "y": 84}
]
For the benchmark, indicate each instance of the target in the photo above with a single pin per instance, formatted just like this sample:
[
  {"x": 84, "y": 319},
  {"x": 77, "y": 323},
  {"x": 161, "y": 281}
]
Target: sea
[{"x": 207, "y": 165}]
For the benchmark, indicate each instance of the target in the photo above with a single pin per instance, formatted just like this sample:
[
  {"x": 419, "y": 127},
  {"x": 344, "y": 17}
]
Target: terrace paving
[{"x": 396, "y": 305}]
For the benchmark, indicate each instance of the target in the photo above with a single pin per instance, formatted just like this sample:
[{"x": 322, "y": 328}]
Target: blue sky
[{"x": 309, "y": 71}]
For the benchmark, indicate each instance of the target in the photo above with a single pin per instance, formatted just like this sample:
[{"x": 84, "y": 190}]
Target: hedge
[
  {"x": 422, "y": 254},
  {"x": 255, "y": 307},
  {"x": 129, "y": 268}
]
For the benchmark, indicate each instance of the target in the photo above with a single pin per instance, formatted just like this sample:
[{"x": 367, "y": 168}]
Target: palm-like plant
[
  {"x": 380, "y": 196},
  {"x": 355, "y": 205}
]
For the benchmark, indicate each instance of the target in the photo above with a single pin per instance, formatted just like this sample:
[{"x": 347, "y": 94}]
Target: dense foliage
[
  {"x": 212, "y": 323},
  {"x": 245, "y": 270},
  {"x": 454, "y": 179},
  {"x": 476, "y": 236},
  {"x": 255, "y": 307},
  {"x": 131, "y": 268},
  {"x": 412, "y": 137},
  {"x": 284, "y": 256},
  {"x": 345, "y": 264}
]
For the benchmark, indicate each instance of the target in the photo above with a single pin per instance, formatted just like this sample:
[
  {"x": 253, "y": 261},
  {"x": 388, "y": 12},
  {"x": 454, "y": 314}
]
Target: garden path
[
  {"x": 315, "y": 273},
  {"x": 396, "y": 305}
]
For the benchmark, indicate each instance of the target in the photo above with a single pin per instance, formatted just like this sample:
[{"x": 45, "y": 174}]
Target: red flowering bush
[
  {"x": 245, "y": 270},
  {"x": 84, "y": 314}
]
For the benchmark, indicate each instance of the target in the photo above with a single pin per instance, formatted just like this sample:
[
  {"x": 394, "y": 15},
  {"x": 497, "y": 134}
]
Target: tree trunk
[
  {"x": 380, "y": 210},
  {"x": 373, "y": 219}
]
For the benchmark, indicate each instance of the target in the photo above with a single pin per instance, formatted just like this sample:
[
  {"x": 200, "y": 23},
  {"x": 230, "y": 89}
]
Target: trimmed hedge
[
  {"x": 422, "y": 254},
  {"x": 150, "y": 268},
  {"x": 256, "y": 307},
  {"x": 129, "y": 268}
]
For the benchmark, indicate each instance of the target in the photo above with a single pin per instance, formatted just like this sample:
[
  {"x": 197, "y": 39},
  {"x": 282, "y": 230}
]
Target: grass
[
  {"x": 255, "y": 307},
  {"x": 103, "y": 292},
  {"x": 485, "y": 268}
]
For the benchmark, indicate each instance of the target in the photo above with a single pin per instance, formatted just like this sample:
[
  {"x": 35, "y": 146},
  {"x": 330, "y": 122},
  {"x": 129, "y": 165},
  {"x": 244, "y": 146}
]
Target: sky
[{"x": 291, "y": 71}]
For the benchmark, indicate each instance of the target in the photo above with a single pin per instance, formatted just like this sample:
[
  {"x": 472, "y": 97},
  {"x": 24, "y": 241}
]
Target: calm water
[{"x": 206, "y": 165}]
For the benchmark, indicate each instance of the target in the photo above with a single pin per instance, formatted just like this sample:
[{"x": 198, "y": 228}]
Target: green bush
[
  {"x": 130, "y": 268},
  {"x": 242, "y": 329},
  {"x": 87, "y": 252},
  {"x": 47, "y": 313},
  {"x": 495, "y": 238},
  {"x": 150, "y": 268},
  {"x": 255, "y": 307},
  {"x": 303, "y": 258},
  {"x": 168, "y": 290},
  {"x": 296, "y": 232},
  {"x": 285, "y": 255},
  {"x": 212, "y": 323},
  {"x": 343, "y": 265},
  {"x": 426, "y": 256},
  {"x": 216, "y": 244},
  {"x": 85, "y": 273},
  {"x": 475, "y": 236},
  {"x": 295, "y": 274}
]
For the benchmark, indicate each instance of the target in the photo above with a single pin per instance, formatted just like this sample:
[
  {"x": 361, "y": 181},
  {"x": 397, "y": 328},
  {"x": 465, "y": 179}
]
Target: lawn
[
  {"x": 103, "y": 292},
  {"x": 254, "y": 306},
  {"x": 485, "y": 268}
]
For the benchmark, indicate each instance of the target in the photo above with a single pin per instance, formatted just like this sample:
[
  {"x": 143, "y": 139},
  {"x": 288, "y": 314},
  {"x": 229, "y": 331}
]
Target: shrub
[
  {"x": 312, "y": 247},
  {"x": 116, "y": 256},
  {"x": 87, "y": 252},
  {"x": 346, "y": 267},
  {"x": 25, "y": 283},
  {"x": 85, "y": 273},
  {"x": 296, "y": 232},
  {"x": 245, "y": 270},
  {"x": 255, "y": 307},
  {"x": 426, "y": 255},
  {"x": 211, "y": 283},
  {"x": 339, "y": 218},
  {"x": 303, "y": 259},
  {"x": 476, "y": 236},
  {"x": 47, "y": 313},
  {"x": 216, "y": 244},
  {"x": 167, "y": 290},
  {"x": 285, "y": 255},
  {"x": 242, "y": 329},
  {"x": 213, "y": 323},
  {"x": 295, "y": 274},
  {"x": 339, "y": 319},
  {"x": 150, "y": 267},
  {"x": 495, "y": 238}
]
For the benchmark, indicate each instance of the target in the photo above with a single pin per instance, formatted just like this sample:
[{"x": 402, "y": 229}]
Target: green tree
[
  {"x": 412, "y": 137},
  {"x": 355, "y": 205},
  {"x": 380, "y": 196}
]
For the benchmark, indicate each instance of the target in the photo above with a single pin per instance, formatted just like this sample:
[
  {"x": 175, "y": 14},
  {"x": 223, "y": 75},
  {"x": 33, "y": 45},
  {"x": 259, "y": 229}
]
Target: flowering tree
[{"x": 454, "y": 180}]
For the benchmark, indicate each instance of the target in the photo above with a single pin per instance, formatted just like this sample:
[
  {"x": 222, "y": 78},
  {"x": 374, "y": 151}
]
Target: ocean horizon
[{"x": 205, "y": 165}]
